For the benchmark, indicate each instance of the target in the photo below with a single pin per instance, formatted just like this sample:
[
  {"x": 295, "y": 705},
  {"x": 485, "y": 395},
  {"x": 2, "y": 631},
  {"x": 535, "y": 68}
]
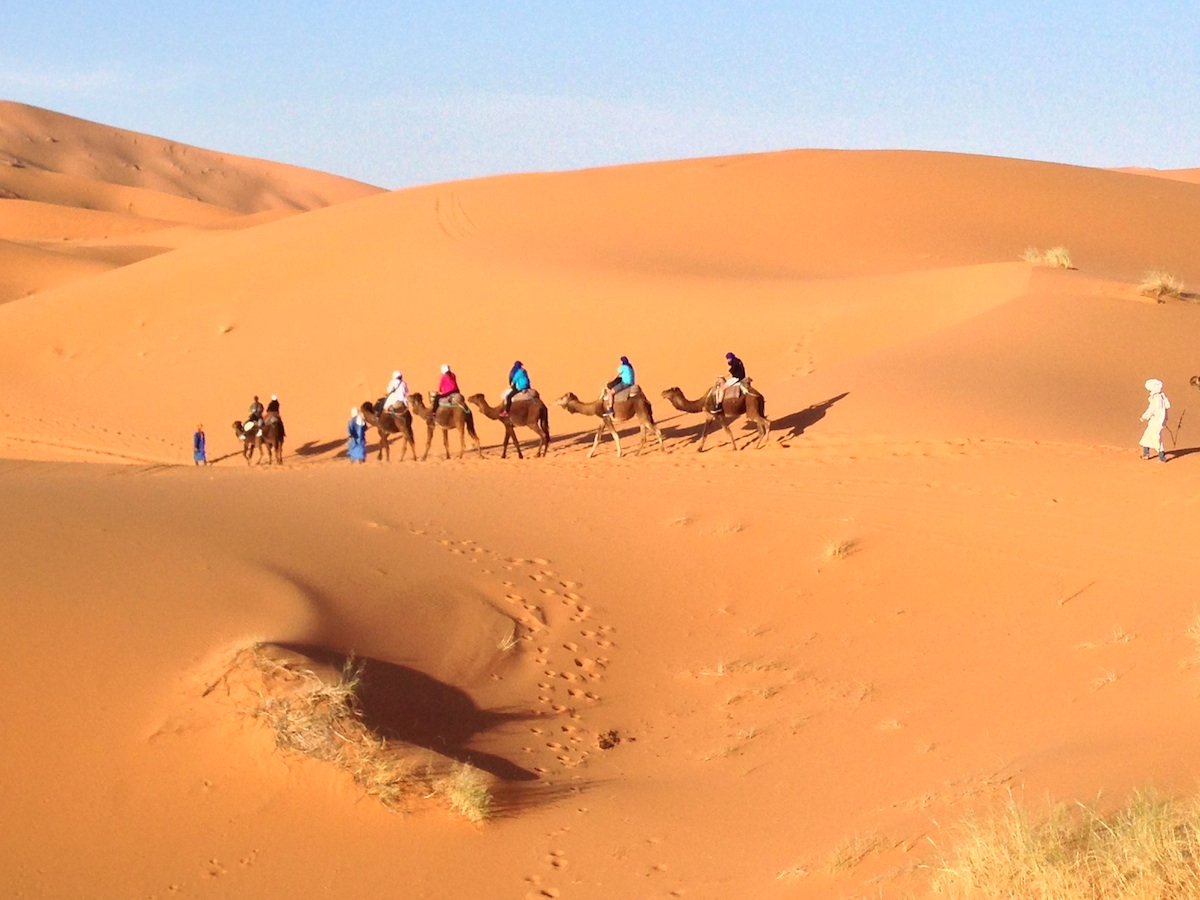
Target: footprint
[{"x": 570, "y": 646}]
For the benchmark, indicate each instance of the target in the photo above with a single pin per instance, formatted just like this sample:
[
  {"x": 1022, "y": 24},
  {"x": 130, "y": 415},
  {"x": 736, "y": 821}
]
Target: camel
[
  {"x": 637, "y": 406},
  {"x": 447, "y": 417},
  {"x": 267, "y": 436},
  {"x": 251, "y": 440},
  {"x": 752, "y": 405},
  {"x": 387, "y": 424},
  {"x": 531, "y": 413},
  {"x": 272, "y": 438}
]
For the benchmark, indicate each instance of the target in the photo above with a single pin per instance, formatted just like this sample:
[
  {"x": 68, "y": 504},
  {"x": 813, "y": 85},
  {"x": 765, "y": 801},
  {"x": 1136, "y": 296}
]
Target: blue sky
[{"x": 413, "y": 92}]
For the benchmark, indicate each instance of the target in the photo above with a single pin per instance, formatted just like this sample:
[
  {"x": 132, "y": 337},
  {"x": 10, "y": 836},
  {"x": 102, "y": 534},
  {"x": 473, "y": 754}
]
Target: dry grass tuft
[
  {"x": 1160, "y": 285},
  {"x": 1056, "y": 257},
  {"x": 839, "y": 549},
  {"x": 1148, "y": 849},
  {"x": 850, "y": 853},
  {"x": 323, "y": 720},
  {"x": 467, "y": 790}
]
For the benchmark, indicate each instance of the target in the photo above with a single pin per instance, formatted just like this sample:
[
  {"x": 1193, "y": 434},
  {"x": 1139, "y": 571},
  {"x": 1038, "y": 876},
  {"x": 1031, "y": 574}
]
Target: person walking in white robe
[{"x": 1155, "y": 418}]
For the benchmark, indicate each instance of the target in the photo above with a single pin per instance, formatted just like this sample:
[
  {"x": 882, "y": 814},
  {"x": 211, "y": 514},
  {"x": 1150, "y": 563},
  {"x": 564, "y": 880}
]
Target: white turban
[
  {"x": 354, "y": 411},
  {"x": 445, "y": 368},
  {"x": 1153, "y": 385},
  {"x": 274, "y": 397},
  {"x": 396, "y": 374}
]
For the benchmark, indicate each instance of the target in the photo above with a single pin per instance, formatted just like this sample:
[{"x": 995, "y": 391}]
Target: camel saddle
[
  {"x": 721, "y": 392},
  {"x": 455, "y": 399},
  {"x": 527, "y": 394},
  {"x": 620, "y": 395}
]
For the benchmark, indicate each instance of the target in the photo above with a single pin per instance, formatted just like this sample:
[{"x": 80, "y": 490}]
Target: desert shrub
[
  {"x": 1056, "y": 257},
  {"x": 323, "y": 720},
  {"x": 1148, "y": 849},
  {"x": 1160, "y": 285}
]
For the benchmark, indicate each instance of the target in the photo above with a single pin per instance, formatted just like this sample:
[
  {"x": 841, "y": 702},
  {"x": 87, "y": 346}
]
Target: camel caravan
[{"x": 621, "y": 401}]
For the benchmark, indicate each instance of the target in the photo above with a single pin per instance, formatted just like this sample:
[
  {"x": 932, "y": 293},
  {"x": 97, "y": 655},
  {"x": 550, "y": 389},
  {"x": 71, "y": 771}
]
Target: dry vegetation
[
  {"x": 1148, "y": 849},
  {"x": 839, "y": 549},
  {"x": 1160, "y": 285},
  {"x": 1055, "y": 257},
  {"x": 323, "y": 720}
]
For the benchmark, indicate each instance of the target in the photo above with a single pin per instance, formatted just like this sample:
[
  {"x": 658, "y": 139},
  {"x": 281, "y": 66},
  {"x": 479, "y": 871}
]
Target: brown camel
[
  {"x": 387, "y": 424},
  {"x": 266, "y": 437},
  {"x": 272, "y": 438},
  {"x": 531, "y": 413},
  {"x": 251, "y": 440},
  {"x": 448, "y": 416},
  {"x": 751, "y": 405},
  {"x": 637, "y": 406}
]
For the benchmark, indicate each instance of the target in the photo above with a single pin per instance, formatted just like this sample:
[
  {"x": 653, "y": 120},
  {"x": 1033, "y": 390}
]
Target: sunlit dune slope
[
  {"x": 79, "y": 184},
  {"x": 798, "y": 261}
]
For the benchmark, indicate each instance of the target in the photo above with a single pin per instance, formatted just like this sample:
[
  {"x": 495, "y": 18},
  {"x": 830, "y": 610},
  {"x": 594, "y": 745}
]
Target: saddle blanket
[
  {"x": 626, "y": 393},
  {"x": 527, "y": 394}
]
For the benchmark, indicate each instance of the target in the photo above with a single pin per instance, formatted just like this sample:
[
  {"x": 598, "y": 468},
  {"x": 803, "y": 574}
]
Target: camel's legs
[
  {"x": 725, "y": 424},
  {"x": 446, "y": 441}
]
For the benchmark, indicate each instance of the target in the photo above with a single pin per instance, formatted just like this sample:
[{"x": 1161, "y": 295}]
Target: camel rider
[
  {"x": 623, "y": 381},
  {"x": 518, "y": 380},
  {"x": 737, "y": 375},
  {"x": 254, "y": 417},
  {"x": 397, "y": 379},
  {"x": 273, "y": 410},
  {"x": 737, "y": 370},
  {"x": 397, "y": 395},
  {"x": 446, "y": 387}
]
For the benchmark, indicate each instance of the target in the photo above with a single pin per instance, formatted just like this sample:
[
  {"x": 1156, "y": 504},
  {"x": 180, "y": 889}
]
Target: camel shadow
[
  {"x": 312, "y": 448},
  {"x": 795, "y": 424},
  {"x": 402, "y": 704}
]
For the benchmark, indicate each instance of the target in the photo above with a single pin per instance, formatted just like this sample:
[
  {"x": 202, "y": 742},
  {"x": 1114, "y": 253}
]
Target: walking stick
[{"x": 1178, "y": 428}]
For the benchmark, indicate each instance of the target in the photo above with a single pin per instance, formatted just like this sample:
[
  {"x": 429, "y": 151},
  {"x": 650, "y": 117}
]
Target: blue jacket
[
  {"x": 519, "y": 379},
  {"x": 626, "y": 373}
]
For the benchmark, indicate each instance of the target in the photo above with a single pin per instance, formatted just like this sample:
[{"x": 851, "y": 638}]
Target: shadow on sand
[
  {"x": 312, "y": 448},
  {"x": 792, "y": 426},
  {"x": 402, "y": 704}
]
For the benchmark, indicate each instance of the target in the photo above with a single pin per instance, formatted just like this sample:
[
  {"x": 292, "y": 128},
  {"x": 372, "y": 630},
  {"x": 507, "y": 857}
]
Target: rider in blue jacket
[
  {"x": 624, "y": 379},
  {"x": 518, "y": 380}
]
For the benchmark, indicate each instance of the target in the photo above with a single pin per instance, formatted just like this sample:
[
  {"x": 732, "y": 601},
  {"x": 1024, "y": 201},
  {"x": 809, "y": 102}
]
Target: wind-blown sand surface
[{"x": 947, "y": 577}]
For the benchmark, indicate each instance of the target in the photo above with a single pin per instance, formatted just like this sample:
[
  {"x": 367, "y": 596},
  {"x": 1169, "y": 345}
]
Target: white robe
[
  {"x": 1155, "y": 418},
  {"x": 397, "y": 397}
]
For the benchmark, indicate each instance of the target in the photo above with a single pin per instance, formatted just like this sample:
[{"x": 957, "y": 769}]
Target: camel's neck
[
  {"x": 683, "y": 404},
  {"x": 591, "y": 408},
  {"x": 492, "y": 412}
]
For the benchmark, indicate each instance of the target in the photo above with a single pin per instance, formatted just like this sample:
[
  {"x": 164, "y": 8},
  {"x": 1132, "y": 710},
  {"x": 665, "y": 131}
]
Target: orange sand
[{"x": 1012, "y": 612}]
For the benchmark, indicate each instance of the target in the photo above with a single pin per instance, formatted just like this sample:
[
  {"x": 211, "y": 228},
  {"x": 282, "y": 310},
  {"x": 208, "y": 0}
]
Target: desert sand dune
[
  {"x": 771, "y": 673},
  {"x": 64, "y": 180}
]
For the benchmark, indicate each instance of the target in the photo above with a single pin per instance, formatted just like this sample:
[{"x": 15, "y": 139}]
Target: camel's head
[
  {"x": 671, "y": 392},
  {"x": 1194, "y": 381},
  {"x": 367, "y": 407},
  {"x": 237, "y": 426},
  {"x": 477, "y": 399},
  {"x": 566, "y": 398}
]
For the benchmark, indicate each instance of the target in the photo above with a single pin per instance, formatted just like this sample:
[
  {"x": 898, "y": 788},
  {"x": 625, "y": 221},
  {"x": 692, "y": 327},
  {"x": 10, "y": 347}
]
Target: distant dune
[
  {"x": 73, "y": 186},
  {"x": 948, "y": 577},
  {"x": 1192, "y": 176}
]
